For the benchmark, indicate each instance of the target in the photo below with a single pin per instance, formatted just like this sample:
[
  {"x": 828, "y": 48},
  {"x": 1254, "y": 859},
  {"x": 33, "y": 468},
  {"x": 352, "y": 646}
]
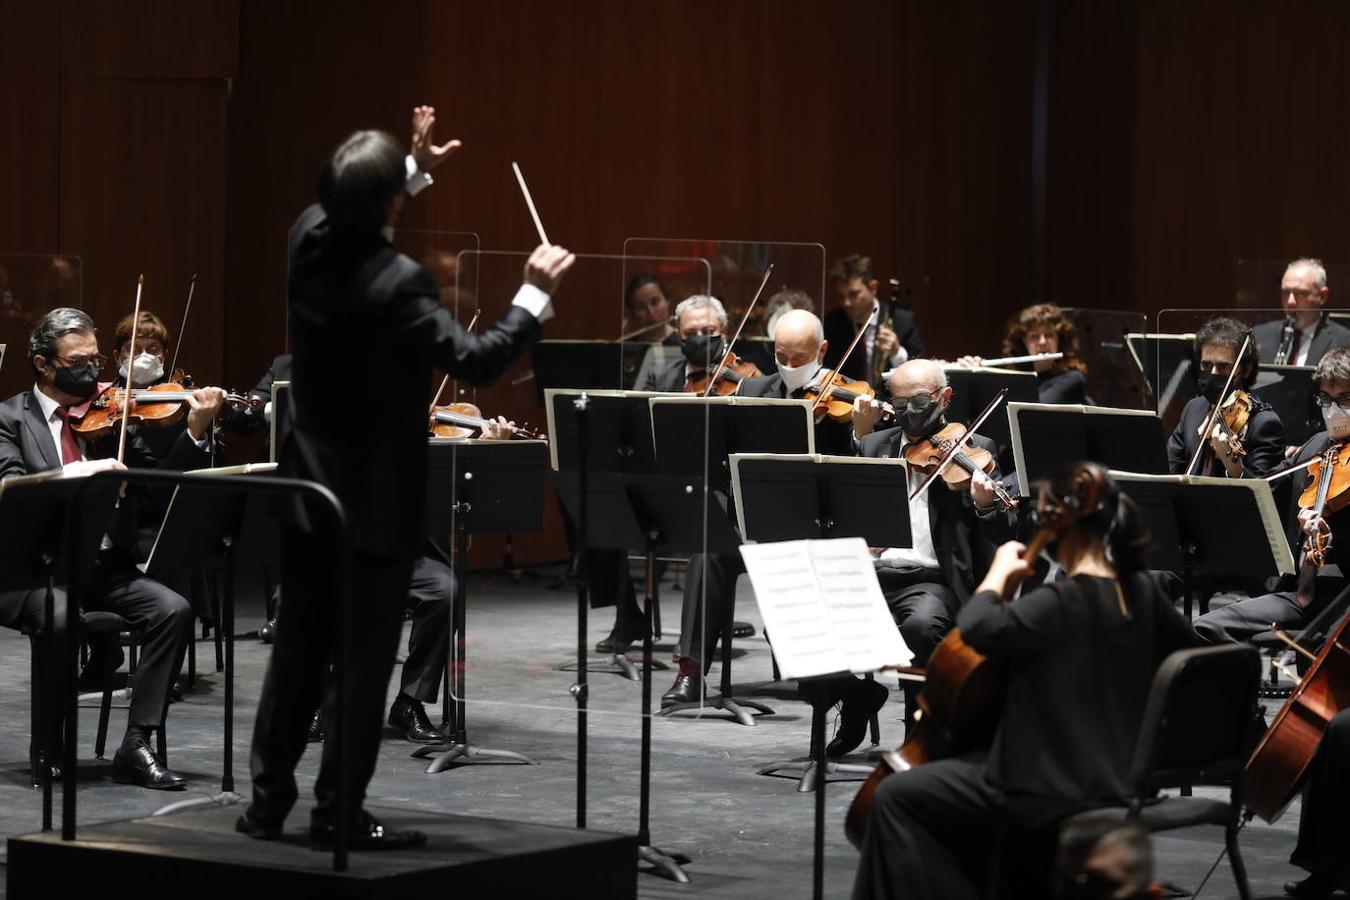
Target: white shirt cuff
[
  {"x": 417, "y": 179},
  {"x": 535, "y": 302},
  {"x": 204, "y": 443}
]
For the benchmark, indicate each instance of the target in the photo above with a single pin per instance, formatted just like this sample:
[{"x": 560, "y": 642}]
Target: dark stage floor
[{"x": 749, "y": 836}]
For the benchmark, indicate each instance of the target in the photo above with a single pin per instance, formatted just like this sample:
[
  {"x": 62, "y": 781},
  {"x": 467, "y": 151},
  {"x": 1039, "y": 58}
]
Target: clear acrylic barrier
[
  {"x": 1114, "y": 378},
  {"x": 1288, "y": 388},
  {"x": 439, "y": 253},
  {"x": 522, "y": 673},
  {"x": 30, "y": 285}
]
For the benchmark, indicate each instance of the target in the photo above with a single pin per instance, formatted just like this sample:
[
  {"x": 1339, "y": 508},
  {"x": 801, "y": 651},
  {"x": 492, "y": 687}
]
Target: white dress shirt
[
  {"x": 1305, "y": 339},
  {"x": 922, "y": 552}
]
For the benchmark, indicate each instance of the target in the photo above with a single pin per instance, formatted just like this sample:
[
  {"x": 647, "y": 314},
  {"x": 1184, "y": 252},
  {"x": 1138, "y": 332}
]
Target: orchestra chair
[
  {"x": 1310, "y": 637},
  {"x": 1197, "y": 730}
]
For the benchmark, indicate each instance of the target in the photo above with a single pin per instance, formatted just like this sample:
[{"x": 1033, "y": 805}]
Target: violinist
[
  {"x": 1256, "y": 446},
  {"x": 647, "y": 309},
  {"x": 1298, "y": 599},
  {"x": 1043, "y": 328},
  {"x": 799, "y": 347},
  {"x": 700, "y": 326},
  {"x": 1092, "y": 642},
  {"x": 855, "y": 284},
  {"x": 147, "y": 369},
  {"x": 36, "y": 436},
  {"x": 925, "y": 585},
  {"x": 1305, "y": 333}
]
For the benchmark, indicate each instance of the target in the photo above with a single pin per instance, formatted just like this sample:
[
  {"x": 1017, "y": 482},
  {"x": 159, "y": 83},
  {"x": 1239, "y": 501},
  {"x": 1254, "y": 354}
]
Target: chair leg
[
  {"x": 132, "y": 647},
  {"x": 38, "y": 721},
  {"x": 874, "y": 724},
  {"x": 212, "y": 588},
  {"x": 104, "y": 709},
  {"x": 1230, "y": 839},
  {"x": 163, "y": 741},
  {"x": 191, "y": 663}
]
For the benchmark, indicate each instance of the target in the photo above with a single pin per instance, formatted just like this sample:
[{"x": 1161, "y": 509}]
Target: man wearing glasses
[
  {"x": 1262, "y": 438},
  {"x": 36, "y": 436},
  {"x": 1302, "y": 596},
  {"x": 1305, "y": 333}
]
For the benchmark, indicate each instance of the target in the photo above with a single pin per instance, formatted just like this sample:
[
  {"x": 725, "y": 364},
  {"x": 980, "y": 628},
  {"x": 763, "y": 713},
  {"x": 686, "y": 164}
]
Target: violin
[
  {"x": 730, "y": 373},
  {"x": 157, "y": 405},
  {"x": 1234, "y": 414},
  {"x": 1220, "y": 413},
  {"x": 929, "y": 452},
  {"x": 1327, "y": 492},
  {"x": 842, "y": 391},
  {"x": 963, "y": 692},
  {"x": 458, "y": 421}
]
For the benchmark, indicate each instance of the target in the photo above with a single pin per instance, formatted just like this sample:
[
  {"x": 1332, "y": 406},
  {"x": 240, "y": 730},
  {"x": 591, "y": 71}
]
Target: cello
[{"x": 963, "y": 692}]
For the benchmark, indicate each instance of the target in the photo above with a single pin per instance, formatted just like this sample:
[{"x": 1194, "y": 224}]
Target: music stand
[
  {"x": 593, "y": 365},
  {"x": 797, "y": 497},
  {"x": 1290, "y": 389},
  {"x": 728, "y": 425},
  {"x": 1166, "y": 364},
  {"x": 974, "y": 389},
  {"x": 477, "y": 487},
  {"x": 1203, "y": 526},
  {"x": 1048, "y": 435}
]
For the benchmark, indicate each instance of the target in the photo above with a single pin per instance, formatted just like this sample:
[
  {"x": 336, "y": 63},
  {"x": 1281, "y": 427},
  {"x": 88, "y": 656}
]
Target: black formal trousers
[
  {"x": 429, "y": 597},
  {"x": 305, "y": 640},
  {"x": 1323, "y": 829},
  {"x": 923, "y": 606},
  {"x": 705, "y": 611},
  {"x": 1246, "y": 618},
  {"x": 162, "y": 616}
]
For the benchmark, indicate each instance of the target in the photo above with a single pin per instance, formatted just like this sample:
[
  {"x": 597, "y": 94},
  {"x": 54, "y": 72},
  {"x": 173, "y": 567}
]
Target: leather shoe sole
[
  {"x": 262, "y": 831},
  {"x": 686, "y": 689}
]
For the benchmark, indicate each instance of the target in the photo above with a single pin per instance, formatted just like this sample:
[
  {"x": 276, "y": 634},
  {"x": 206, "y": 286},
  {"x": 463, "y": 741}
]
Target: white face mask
[
  {"x": 388, "y": 232},
  {"x": 1338, "y": 422},
  {"x": 798, "y": 377},
  {"x": 148, "y": 369}
]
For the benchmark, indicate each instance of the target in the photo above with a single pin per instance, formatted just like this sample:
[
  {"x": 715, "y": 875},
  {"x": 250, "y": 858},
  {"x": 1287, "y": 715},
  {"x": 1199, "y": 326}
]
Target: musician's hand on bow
[
  {"x": 886, "y": 341},
  {"x": 546, "y": 267},
  {"x": 90, "y": 466},
  {"x": 1309, "y": 521},
  {"x": 204, "y": 404},
  {"x": 982, "y": 490},
  {"x": 867, "y": 412},
  {"x": 970, "y": 362},
  {"x": 1008, "y": 569},
  {"x": 1222, "y": 445},
  {"x": 498, "y": 429},
  {"x": 424, "y": 151}
]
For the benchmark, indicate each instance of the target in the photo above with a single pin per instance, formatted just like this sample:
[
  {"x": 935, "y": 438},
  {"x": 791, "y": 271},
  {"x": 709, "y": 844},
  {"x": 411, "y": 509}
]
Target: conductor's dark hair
[
  {"x": 1225, "y": 332},
  {"x": 55, "y": 325},
  {"x": 1115, "y": 519},
  {"x": 360, "y": 181}
]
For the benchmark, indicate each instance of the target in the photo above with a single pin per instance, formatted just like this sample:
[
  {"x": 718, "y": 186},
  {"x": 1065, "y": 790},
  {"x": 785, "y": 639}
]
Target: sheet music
[{"x": 821, "y": 602}]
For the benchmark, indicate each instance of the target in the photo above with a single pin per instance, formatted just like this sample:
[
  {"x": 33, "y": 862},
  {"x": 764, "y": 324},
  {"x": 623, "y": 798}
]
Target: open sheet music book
[{"x": 821, "y": 602}]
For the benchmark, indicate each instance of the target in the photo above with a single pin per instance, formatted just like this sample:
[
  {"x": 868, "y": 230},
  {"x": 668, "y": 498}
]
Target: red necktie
[
  {"x": 1293, "y": 348},
  {"x": 70, "y": 448}
]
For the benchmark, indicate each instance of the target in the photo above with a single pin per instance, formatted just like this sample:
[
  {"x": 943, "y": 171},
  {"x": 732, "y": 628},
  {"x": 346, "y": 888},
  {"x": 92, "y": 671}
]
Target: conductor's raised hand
[
  {"x": 424, "y": 150},
  {"x": 546, "y": 267}
]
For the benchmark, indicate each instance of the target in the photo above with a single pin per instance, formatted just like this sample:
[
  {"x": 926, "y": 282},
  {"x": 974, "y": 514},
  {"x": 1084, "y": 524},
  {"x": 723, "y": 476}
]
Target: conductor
[{"x": 354, "y": 297}]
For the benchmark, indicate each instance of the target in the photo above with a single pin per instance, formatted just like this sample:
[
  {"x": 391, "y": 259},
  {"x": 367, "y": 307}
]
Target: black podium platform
[{"x": 198, "y": 854}]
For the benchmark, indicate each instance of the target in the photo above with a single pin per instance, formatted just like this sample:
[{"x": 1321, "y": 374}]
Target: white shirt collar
[{"x": 45, "y": 403}]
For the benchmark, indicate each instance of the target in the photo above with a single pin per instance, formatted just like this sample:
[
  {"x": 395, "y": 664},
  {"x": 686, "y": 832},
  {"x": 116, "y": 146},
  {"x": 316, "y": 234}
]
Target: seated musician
[
  {"x": 430, "y": 592},
  {"x": 855, "y": 284},
  {"x": 1090, "y": 643},
  {"x": 1305, "y": 334},
  {"x": 36, "y": 436},
  {"x": 799, "y": 347},
  {"x": 1301, "y": 597},
  {"x": 647, "y": 311},
  {"x": 1262, "y": 438},
  {"x": 925, "y": 585},
  {"x": 1322, "y": 830},
  {"x": 1043, "y": 328}
]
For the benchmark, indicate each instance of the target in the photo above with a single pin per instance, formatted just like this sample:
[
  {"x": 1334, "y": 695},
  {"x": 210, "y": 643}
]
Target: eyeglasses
[
  {"x": 916, "y": 403},
  {"x": 1325, "y": 400},
  {"x": 1213, "y": 368},
  {"x": 81, "y": 362},
  {"x": 705, "y": 332},
  {"x": 1300, "y": 293}
]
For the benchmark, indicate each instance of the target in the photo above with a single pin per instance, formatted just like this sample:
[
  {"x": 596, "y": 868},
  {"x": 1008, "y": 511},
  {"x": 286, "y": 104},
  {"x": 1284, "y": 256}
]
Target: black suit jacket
[
  {"x": 964, "y": 542},
  {"x": 832, "y": 438},
  {"x": 668, "y": 379},
  {"x": 1328, "y": 334},
  {"x": 839, "y": 331},
  {"x": 367, "y": 328},
  {"x": 1264, "y": 440}
]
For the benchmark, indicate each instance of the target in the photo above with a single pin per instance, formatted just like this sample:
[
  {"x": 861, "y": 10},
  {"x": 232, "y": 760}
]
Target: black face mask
[
  {"x": 919, "y": 423},
  {"x": 81, "y": 382},
  {"x": 703, "y": 350},
  {"x": 1210, "y": 385}
]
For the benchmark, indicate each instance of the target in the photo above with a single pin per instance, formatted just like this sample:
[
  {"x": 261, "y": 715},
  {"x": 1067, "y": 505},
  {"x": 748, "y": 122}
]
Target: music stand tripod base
[
  {"x": 619, "y": 664},
  {"x": 452, "y": 756},
  {"x": 734, "y": 705},
  {"x": 804, "y": 768},
  {"x": 665, "y": 864}
]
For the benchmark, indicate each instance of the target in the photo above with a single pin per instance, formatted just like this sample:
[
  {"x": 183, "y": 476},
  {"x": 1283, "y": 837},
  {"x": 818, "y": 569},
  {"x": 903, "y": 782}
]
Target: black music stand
[
  {"x": 974, "y": 389},
  {"x": 1290, "y": 389},
  {"x": 33, "y": 514},
  {"x": 1203, "y": 526},
  {"x": 728, "y": 425},
  {"x": 1166, "y": 363},
  {"x": 1046, "y": 436},
  {"x": 592, "y": 365},
  {"x": 477, "y": 487},
  {"x": 788, "y": 498}
]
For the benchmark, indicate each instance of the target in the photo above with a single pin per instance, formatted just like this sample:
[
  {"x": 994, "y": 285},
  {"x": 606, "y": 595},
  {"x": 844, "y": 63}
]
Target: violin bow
[
  {"x": 431, "y": 410},
  {"x": 722, "y": 365},
  {"x": 834, "y": 373},
  {"x": 182, "y": 329},
  {"x": 956, "y": 445},
  {"x": 1214, "y": 413},
  {"x": 131, "y": 354}
]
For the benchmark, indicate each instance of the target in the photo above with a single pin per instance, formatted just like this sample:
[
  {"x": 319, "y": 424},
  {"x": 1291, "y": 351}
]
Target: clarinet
[{"x": 1286, "y": 343}]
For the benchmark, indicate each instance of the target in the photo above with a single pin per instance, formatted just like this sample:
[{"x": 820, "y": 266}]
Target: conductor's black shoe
[
  {"x": 686, "y": 689},
  {"x": 409, "y": 717},
  {"x": 255, "y": 827},
  {"x": 136, "y": 764},
  {"x": 1312, "y": 888},
  {"x": 267, "y": 631},
  {"x": 619, "y": 640},
  {"x": 860, "y": 704},
  {"x": 316, "y": 732},
  {"x": 368, "y": 833}
]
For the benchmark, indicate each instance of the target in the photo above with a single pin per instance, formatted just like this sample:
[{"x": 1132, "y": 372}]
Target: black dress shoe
[
  {"x": 256, "y": 827},
  {"x": 267, "y": 631},
  {"x": 619, "y": 640},
  {"x": 409, "y": 718},
  {"x": 316, "y": 732},
  {"x": 136, "y": 764},
  {"x": 686, "y": 689},
  {"x": 368, "y": 833},
  {"x": 859, "y": 704},
  {"x": 1312, "y": 888}
]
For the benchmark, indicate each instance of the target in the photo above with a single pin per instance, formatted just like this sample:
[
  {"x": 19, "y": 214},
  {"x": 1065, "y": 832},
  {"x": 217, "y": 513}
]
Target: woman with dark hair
[
  {"x": 1043, "y": 328},
  {"x": 1081, "y": 653},
  {"x": 646, "y": 309}
]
